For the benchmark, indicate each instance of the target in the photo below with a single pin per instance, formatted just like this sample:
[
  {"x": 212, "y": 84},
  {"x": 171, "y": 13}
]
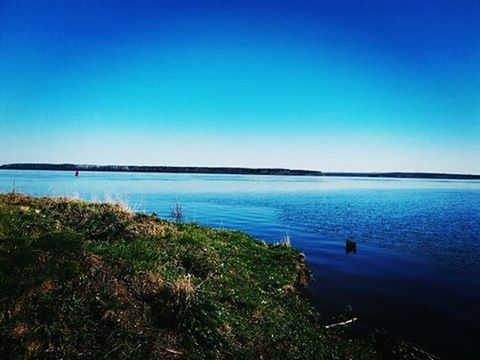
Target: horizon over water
[{"x": 415, "y": 272}]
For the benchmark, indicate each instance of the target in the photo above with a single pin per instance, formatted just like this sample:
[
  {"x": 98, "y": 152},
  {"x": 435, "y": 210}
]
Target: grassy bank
[{"x": 90, "y": 280}]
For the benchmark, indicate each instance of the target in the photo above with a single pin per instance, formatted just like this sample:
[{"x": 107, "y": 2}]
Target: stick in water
[{"x": 343, "y": 323}]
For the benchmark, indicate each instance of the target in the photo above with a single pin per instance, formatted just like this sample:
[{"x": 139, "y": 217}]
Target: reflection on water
[{"x": 415, "y": 270}]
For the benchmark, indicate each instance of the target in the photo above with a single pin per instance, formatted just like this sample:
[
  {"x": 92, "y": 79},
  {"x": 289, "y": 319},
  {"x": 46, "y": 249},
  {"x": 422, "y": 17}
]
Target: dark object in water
[
  {"x": 350, "y": 246},
  {"x": 77, "y": 173}
]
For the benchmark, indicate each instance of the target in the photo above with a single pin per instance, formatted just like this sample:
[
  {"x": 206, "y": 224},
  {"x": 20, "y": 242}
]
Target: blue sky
[{"x": 328, "y": 85}]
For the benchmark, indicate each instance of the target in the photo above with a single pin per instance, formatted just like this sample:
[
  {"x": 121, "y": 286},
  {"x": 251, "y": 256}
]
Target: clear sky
[{"x": 337, "y": 85}]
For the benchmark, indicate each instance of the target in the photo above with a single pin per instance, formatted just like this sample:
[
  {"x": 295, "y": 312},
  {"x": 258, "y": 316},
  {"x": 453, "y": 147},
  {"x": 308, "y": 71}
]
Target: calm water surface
[{"x": 416, "y": 271}]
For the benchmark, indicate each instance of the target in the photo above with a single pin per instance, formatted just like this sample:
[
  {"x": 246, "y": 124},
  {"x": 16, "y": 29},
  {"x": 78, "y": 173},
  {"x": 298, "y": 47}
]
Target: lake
[{"x": 416, "y": 271}]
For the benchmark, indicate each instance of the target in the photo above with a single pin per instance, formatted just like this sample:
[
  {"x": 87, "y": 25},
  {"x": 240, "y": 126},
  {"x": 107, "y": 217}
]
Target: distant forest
[{"x": 231, "y": 170}]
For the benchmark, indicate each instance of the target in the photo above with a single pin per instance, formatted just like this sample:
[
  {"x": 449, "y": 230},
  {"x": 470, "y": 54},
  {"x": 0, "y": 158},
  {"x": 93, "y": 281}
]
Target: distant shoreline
[{"x": 232, "y": 171}]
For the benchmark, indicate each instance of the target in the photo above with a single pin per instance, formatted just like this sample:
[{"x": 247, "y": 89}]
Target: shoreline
[
  {"x": 233, "y": 171},
  {"x": 158, "y": 288}
]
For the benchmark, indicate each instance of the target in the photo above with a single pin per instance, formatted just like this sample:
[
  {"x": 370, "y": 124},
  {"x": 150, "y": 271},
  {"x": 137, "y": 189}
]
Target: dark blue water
[{"x": 416, "y": 271}]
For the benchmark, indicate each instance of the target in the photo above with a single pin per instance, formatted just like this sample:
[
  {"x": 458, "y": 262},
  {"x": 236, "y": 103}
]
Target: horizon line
[{"x": 233, "y": 170}]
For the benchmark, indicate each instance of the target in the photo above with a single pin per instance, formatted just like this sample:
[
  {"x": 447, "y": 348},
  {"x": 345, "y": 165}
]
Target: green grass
[{"x": 92, "y": 281}]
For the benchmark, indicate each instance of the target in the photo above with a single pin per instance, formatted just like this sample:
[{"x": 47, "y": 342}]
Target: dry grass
[{"x": 183, "y": 288}]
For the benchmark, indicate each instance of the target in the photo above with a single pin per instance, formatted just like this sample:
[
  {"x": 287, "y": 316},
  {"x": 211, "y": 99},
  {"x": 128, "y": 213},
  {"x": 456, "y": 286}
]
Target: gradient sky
[{"x": 330, "y": 85}]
